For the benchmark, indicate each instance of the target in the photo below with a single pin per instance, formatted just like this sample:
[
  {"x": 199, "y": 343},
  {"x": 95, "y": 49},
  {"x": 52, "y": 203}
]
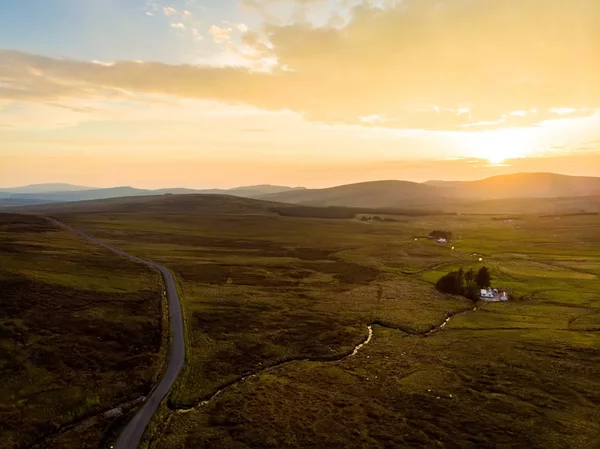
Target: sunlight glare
[{"x": 498, "y": 146}]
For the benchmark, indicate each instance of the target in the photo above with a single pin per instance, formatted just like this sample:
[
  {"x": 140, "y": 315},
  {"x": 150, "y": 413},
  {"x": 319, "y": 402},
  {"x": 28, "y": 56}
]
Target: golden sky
[{"x": 311, "y": 92}]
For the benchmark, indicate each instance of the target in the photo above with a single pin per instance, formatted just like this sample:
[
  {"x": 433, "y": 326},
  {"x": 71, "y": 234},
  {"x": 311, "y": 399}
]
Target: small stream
[
  {"x": 355, "y": 351},
  {"x": 441, "y": 326},
  {"x": 359, "y": 346}
]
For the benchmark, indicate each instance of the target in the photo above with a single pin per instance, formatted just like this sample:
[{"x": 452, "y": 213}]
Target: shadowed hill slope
[{"x": 164, "y": 204}]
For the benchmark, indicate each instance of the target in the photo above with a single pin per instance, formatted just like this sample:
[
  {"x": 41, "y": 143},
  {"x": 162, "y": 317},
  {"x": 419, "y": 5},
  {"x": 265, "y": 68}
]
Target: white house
[
  {"x": 492, "y": 295},
  {"x": 487, "y": 294}
]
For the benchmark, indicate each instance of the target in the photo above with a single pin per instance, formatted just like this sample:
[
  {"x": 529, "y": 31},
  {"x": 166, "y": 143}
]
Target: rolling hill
[
  {"x": 521, "y": 185},
  {"x": 448, "y": 196},
  {"x": 445, "y": 194},
  {"x": 190, "y": 204},
  {"x": 374, "y": 194}
]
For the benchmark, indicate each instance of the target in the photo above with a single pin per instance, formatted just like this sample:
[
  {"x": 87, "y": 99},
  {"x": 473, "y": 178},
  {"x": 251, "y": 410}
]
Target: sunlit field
[{"x": 284, "y": 300}]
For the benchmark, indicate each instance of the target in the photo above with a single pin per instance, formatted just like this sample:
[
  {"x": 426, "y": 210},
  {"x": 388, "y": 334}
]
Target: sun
[
  {"x": 496, "y": 156},
  {"x": 500, "y": 145}
]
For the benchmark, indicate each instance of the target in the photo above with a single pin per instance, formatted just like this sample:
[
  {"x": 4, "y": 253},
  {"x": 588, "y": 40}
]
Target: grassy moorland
[
  {"x": 80, "y": 333},
  {"x": 285, "y": 298}
]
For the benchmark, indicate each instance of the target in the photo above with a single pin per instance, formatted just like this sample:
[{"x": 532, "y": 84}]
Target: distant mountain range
[
  {"x": 42, "y": 193},
  {"x": 45, "y": 188},
  {"x": 404, "y": 193},
  {"x": 375, "y": 194}
]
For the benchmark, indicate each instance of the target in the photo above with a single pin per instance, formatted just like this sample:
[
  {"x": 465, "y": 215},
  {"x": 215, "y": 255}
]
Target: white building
[
  {"x": 492, "y": 295},
  {"x": 486, "y": 294}
]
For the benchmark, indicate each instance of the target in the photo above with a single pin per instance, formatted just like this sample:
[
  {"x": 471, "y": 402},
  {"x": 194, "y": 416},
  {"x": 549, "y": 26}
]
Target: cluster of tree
[
  {"x": 376, "y": 218},
  {"x": 441, "y": 235},
  {"x": 466, "y": 283}
]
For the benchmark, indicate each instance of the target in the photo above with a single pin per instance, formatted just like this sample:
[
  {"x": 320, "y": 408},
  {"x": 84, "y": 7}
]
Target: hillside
[
  {"x": 265, "y": 189},
  {"x": 81, "y": 333},
  {"x": 190, "y": 204},
  {"x": 561, "y": 205},
  {"x": 449, "y": 195},
  {"x": 16, "y": 202},
  {"x": 374, "y": 194},
  {"x": 521, "y": 185}
]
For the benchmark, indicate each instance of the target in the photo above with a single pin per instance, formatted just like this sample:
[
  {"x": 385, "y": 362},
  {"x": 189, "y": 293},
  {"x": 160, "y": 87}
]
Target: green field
[
  {"x": 80, "y": 335},
  {"x": 262, "y": 290}
]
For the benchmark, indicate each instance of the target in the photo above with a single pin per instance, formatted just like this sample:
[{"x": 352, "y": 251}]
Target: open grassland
[
  {"x": 286, "y": 298},
  {"x": 80, "y": 333}
]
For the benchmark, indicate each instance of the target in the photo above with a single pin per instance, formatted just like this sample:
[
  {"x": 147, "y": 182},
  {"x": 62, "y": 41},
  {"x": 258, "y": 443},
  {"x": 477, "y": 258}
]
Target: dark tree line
[{"x": 466, "y": 283}]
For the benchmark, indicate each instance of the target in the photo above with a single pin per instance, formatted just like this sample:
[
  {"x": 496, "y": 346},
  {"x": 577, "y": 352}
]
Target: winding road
[{"x": 132, "y": 434}]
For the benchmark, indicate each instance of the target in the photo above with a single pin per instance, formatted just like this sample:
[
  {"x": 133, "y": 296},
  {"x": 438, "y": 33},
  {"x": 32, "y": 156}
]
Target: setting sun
[{"x": 498, "y": 146}]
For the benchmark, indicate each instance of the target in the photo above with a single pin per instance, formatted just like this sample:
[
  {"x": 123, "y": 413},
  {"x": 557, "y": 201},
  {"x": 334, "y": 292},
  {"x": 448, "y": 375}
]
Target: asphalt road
[{"x": 130, "y": 436}]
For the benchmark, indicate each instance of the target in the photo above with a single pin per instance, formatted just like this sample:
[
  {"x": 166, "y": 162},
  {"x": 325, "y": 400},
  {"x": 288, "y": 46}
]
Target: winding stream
[
  {"x": 236, "y": 382},
  {"x": 355, "y": 351}
]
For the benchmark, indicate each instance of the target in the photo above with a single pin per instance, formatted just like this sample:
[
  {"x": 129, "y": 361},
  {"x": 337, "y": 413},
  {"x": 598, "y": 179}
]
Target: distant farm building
[{"x": 490, "y": 294}]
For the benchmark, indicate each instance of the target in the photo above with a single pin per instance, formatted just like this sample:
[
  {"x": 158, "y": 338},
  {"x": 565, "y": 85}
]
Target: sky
[{"x": 222, "y": 93}]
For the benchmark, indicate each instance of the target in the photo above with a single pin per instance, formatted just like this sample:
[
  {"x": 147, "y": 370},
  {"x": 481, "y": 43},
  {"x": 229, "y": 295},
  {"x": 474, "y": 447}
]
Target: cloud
[
  {"x": 196, "y": 34},
  {"x": 418, "y": 65},
  {"x": 299, "y": 11},
  {"x": 83, "y": 110},
  {"x": 587, "y": 147},
  {"x": 242, "y": 27},
  {"x": 220, "y": 35},
  {"x": 179, "y": 19},
  {"x": 169, "y": 11}
]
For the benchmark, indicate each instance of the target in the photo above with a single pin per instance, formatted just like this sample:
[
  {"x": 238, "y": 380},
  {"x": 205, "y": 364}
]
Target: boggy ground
[
  {"x": 259, "y": 289},
  {"x": 80, "y": 332}
]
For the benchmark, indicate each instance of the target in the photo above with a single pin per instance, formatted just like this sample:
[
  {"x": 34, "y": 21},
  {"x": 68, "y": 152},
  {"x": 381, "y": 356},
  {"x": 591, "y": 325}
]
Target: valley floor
[{"x": 297, "y": 294}]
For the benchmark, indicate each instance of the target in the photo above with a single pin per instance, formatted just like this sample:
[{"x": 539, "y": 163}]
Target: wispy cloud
[
  {"x": 169, "y": 11},
  {"x": 83, "y": 110},
  {"x": 178, "y": 18}
]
